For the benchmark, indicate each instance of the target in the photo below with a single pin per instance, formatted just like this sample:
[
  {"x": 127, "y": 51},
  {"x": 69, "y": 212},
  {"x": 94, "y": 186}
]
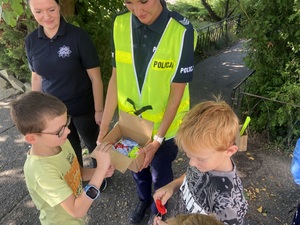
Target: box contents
[
  {"x": 127, "y": 147},
  {"x": 136, "y": 129}
]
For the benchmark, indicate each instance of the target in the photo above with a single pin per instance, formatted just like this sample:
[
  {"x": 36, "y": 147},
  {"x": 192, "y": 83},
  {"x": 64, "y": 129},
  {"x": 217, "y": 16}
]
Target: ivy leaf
[
  {"x": 3, "y": 1},
  {"x": 17, "y": 7},
  {"x": 10, "y": 18}
]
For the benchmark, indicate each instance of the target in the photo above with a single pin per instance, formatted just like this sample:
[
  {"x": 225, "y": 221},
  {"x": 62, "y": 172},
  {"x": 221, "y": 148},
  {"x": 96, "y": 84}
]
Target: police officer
[{"x": 153, "y": 61}]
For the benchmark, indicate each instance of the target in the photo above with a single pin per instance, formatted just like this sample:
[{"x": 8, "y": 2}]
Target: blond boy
[
  {"x": 52, "y": 172},
  {"x": 211, "y": 184},
  {"x": 190, "y": 219}
]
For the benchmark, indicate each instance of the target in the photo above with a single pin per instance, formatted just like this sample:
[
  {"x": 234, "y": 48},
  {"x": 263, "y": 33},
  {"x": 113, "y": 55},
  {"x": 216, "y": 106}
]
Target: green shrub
[
  {"x": 193, "y": 10},
  {"x": 13, "y": 54},
  {"x": 272, "y": 27}
]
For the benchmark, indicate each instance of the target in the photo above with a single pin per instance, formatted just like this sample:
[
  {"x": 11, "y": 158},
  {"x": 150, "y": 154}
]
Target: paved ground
[{"x": 265, "y": 175}]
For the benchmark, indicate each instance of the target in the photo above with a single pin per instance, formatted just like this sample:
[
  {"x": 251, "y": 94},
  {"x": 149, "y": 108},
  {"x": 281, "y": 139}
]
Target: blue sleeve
[
  {"x": 295, "y": 167},
  {"x": 88, "y": 51},
  {"x": 184, "y": 73},
  {"x": 27, "y": 49}
]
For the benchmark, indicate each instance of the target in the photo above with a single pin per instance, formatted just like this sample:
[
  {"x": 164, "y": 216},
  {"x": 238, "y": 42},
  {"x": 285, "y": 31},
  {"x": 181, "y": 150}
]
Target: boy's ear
[
  {"x": 232, "y": 149},
  {"x": 30, "y": 138}
]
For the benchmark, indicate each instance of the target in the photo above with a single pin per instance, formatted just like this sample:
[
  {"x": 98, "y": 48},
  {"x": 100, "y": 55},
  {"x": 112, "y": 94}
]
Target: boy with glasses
[{"x": 52, "y": 173}]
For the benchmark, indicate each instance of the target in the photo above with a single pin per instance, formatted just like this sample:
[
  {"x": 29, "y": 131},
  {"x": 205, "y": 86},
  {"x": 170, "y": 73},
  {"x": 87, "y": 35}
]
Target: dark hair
[
  {"x": 31, "y": 110},
  {"x": 57, "y": 1}
]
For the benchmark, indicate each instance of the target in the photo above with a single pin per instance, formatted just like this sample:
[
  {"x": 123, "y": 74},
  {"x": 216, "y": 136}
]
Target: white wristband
[{"x": 158, "y": 139}]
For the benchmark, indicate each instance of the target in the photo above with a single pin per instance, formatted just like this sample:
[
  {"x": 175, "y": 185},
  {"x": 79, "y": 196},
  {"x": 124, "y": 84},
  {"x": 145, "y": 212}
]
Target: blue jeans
[
  {"x": 159, "y": 172},
  {"x": 85, "y": 127}
]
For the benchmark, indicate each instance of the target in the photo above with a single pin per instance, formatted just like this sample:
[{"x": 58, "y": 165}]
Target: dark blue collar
[{"x": 158, "y": 25}]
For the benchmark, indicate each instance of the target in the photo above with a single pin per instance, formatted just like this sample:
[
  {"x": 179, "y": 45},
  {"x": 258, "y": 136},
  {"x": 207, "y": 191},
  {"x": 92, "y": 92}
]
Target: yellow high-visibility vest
[{"x": 159, "y": 74}]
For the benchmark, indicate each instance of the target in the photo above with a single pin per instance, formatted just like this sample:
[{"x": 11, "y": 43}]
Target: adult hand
[
  {"x": 103, "y": 131},
  {"x": 149, "y": 151},
  {"x": 98, "y": 117}
]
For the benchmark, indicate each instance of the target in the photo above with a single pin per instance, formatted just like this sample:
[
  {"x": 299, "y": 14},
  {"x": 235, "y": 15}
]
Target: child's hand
[
  {"x": 102, "y": 155},
  {"x": 110, "y": 171},
  {"x": 163, "y": 193},
  {"x": 157, "y": 221}
]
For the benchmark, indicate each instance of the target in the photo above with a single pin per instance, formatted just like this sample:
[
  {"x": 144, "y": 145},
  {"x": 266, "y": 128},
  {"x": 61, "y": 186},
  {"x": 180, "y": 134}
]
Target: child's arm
[
  {"x": 78, "y": 207},
  {"x": 87, "y": 173},
  {"x": 157, "y": 221},
  {"x": 166, "y": 192}
]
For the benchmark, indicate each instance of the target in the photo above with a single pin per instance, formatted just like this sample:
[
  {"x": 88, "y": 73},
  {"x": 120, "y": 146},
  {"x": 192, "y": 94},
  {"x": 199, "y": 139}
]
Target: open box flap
[
  {"x": 136, "y": 164},
  {"x": 120, "y": 163},
  {"x": 136, "y": 128}
]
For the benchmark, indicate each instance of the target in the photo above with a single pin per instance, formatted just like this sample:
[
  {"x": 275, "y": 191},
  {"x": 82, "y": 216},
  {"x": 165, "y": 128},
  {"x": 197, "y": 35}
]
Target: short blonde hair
[
  {"x": 210, "y": 124},
  {"x": 193, "y": 219}
]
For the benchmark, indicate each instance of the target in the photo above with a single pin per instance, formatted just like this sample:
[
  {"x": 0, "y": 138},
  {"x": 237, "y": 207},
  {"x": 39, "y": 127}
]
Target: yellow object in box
[{"x": 134, "y": 128}]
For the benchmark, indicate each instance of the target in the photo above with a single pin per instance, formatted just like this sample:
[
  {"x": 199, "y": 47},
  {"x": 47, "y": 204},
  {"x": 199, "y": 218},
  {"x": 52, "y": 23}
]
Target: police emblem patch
[{"x": 64, "y": 51}]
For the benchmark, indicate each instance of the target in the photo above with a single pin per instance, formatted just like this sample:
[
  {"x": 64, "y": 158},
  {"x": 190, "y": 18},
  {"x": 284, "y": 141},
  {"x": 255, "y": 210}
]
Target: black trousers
[
  {"x": 84, "y": 126},
  {"x": 159, "y": 172},
  {"x": 296, "y": 220}
]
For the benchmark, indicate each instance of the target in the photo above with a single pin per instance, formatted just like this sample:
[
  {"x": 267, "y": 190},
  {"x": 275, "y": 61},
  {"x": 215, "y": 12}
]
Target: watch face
[{"x": 92, "y": 192}]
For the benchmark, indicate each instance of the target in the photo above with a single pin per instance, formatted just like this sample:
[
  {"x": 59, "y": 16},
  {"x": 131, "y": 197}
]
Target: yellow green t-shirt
[{"x": 52, "y": 179}]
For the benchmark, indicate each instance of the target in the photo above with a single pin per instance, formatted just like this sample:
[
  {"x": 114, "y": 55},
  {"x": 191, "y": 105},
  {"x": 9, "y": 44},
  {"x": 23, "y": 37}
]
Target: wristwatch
[
  {"x": 160, "y": 140},
  {"x": 91, "y": 191}
]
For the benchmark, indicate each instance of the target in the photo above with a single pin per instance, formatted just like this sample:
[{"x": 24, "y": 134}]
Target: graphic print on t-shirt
[
  {"x": 191, "y": 204},
  {"x": 73, "y": 176},
  {"x": 218, "y": 193}
]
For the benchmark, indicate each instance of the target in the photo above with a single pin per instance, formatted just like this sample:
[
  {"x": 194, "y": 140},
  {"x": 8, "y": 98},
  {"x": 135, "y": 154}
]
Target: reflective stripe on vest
[{"x": 159, "y": 74}]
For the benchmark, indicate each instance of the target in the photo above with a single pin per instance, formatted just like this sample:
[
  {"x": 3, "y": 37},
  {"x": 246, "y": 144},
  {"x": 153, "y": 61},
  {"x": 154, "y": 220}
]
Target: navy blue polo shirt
[
  {"x": 147, "y": 37},
  {"x": 62, "y": 62}
]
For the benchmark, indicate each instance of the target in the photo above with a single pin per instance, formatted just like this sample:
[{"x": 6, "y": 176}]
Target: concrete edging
[{"x": 14, "y": 82}]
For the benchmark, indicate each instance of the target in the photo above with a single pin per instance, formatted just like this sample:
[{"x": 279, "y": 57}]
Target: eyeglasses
[{"x": 61, "y": 131}]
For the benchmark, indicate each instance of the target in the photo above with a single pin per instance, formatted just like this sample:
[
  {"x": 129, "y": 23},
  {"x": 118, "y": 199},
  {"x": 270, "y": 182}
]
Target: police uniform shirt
[
  {"x": 147, "y": 37},
  {"x": 62, "y": 62}
]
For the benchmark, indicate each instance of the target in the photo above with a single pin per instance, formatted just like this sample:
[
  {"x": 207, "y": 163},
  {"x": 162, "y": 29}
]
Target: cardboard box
[
  {"x": 135, "y": 128},
  {"x": 242, "y": 141}
]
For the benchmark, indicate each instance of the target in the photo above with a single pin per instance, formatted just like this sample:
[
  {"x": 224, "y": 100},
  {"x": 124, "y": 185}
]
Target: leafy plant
[
  {"x": 11, "y": 10},
  {"x": 99, "y": 29},
  {"x": 272, "y": 27},
  {"x": 12, "y": 46},
  {"x": 193, "y": 10}
]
